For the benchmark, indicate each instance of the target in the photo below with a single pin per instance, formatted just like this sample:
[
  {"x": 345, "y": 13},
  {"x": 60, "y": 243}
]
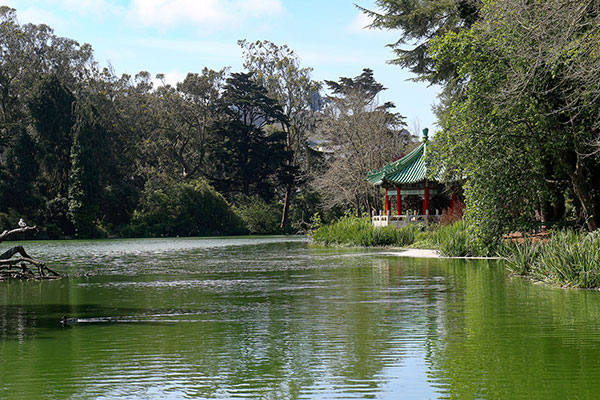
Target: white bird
[{"x": 22, "y": 223}]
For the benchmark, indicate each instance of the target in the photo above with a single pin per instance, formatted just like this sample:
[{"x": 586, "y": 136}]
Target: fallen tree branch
[
  {"x": 19, "y": 268},
  {"x": 8, "y": 233}
]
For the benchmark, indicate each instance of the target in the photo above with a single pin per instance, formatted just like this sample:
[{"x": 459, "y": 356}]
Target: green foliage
[
  {"x": 521, "y": 257},
  {"x": 183, "y": 209},
  {"x": 569, "y": 258},
  {"x": 453, "y": 240},
  {"x": 259, "y": 216},
  {"x": 519, "y": 127},
  {"x": 22, "y": 168},
  {"x": 418, "y": 22},
  {"x": 353, "y": 231},
  {"x": 572, "y": 259}
]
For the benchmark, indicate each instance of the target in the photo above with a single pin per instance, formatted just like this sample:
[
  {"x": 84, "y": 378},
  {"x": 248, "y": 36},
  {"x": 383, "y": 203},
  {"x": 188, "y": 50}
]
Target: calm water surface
[{"x": 274, "y": 318}]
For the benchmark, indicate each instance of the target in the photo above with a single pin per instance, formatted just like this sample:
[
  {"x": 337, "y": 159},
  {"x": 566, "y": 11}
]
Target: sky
[{"x": 175, "y": 37}]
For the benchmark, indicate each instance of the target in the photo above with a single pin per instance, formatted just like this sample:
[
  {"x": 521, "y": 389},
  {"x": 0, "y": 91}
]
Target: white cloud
[
  {"x": 360, "y": 23},
  {"x": 36, "y": 16},
  {"x": 99, "y": 8},
  {"x": 170, "y": 78},
  {"x": 212, "y": 49},
  {"x": 50, "y": 8},
  {"x": 207, "y": 14}
]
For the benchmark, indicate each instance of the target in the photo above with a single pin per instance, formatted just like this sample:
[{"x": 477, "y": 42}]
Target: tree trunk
[
  {"x": 584, "y": 195},
  {"x": 287, "y": 199}
]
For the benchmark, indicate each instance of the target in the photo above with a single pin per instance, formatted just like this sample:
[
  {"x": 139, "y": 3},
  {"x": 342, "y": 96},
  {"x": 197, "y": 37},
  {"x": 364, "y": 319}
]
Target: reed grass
[
  {"x": 520, "y": 257},
  {"x": 352, "y": 231},
  {"x": 569, "y": 258}
]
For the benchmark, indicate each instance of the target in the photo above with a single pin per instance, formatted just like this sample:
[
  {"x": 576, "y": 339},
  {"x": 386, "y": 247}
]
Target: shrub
[
  {"x": 193, "y": 208},
  {"x": 259, "y": 216},
  {"x": 454, "y": 214}
]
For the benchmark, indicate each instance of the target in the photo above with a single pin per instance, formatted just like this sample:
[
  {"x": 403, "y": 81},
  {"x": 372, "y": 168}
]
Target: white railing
[{"x": 403, "y": 219}]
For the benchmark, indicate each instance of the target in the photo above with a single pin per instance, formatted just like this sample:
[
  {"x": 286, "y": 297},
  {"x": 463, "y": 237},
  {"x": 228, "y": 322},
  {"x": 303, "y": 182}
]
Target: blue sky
[{"x": 179, "y": 36}]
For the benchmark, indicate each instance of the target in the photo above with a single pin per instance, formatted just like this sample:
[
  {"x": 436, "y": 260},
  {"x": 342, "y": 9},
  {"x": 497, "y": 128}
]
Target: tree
[
  {"x": 182, "y": 121},
  {"x": 420, "y": 22},
  {"x": 248, "y": 151},
  {"x": 277, "y": 68},
  {"x": 22, "y": 167},
  {"x": 28, "y": 52},
  {"x": 191, "y": 208},
  {"x": 360, "y": 136},
  {"x": 524, "y": 130},
  {"x": 51, "y": 105},
  {"x": 85, "y": 182}
]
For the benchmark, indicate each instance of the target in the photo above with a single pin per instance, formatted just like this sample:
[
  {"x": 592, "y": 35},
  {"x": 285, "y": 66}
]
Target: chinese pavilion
[{"x": 408, "y": 176}]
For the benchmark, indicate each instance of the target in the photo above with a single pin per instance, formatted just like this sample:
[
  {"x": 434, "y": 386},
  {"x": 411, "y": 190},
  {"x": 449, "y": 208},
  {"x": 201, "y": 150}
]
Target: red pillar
[
  {"x": 398, "y": 201},
  {"x": 426, "y": 198},
  {"x": 387, "y": 203}
]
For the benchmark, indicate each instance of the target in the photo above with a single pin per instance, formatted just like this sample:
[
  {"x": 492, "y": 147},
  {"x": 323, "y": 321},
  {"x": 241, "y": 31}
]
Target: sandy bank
[{"x": 427, "y": 253}]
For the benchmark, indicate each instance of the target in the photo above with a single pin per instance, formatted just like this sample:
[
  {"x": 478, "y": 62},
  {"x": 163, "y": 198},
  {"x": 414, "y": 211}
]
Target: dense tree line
[
  {"x": 519, "y": 109},
  {"x": 85, "y": 153}
]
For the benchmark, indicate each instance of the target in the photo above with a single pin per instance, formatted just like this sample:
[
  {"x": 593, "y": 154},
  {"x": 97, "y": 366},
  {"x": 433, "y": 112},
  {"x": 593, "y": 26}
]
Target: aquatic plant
[
  {"x": 520, "y": 257},
  {"x": 570, "y": 258},
  {"x": 353, "y": 231}
]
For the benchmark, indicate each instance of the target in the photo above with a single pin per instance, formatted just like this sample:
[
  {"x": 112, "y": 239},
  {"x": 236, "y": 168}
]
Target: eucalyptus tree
[
  {"x": 277, "y": 68},
  {"x": 28, "y": 53},
  {"x": 51, "y": 108},
  {"x": 360, "y": 136},
  {"x": 184, "y": 115}
]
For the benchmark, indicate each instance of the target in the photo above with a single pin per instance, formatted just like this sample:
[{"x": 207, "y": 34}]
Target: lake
[{"x": 277, "y": 318}]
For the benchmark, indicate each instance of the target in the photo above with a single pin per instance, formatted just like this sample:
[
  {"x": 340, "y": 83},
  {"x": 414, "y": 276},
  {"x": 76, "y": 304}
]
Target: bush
[
  {"x": 454, "y": 214},
  {"x": 452, "y": 240},
  {"x": 183, "y": 209},
  {"x": 259, "y": 216}
]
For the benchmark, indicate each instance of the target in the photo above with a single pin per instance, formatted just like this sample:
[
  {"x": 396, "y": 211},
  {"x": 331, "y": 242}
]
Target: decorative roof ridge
[
  {"x": 401, "y": 162},
  {"x": 409, "y": 162}
]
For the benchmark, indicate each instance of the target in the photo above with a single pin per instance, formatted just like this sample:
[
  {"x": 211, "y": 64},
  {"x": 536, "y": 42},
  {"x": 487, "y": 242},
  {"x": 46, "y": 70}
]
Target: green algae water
[{"x": 275, "y": 318}]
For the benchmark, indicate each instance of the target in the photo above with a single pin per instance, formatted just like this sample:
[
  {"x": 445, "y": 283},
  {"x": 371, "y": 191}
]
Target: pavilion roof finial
[{"x": 425, "y": 134}]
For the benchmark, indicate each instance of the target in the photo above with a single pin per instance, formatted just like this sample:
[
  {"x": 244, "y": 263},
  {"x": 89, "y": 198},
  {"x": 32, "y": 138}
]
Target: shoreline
[{"x": 429, "y": 253}]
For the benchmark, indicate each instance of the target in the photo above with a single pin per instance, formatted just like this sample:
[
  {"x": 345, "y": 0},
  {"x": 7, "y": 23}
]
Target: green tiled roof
[{"x": 409, "y": 169}]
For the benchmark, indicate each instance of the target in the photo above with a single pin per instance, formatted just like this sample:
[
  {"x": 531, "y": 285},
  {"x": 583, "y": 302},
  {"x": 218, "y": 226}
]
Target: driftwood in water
[{"x": 24, "y": 267}]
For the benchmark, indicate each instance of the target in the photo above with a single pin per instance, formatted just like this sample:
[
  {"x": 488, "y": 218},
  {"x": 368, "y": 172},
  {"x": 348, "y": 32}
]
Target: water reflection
[{"x": 279, "y": 319}]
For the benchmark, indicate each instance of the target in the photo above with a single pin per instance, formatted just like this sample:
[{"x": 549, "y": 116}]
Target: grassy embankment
[{"x": 569, "y": 258}]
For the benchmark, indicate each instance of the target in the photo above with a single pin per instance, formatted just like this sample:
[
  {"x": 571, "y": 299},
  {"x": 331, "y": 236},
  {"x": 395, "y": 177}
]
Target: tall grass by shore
[
  {"x": 352, "y": 231},
  {"x": 451, "y": 240},
  {"x": 569, "y": 258}
]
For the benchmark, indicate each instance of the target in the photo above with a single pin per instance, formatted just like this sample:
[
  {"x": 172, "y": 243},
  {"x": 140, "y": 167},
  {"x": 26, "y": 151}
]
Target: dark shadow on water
[{"x": 19, "y": 322}]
